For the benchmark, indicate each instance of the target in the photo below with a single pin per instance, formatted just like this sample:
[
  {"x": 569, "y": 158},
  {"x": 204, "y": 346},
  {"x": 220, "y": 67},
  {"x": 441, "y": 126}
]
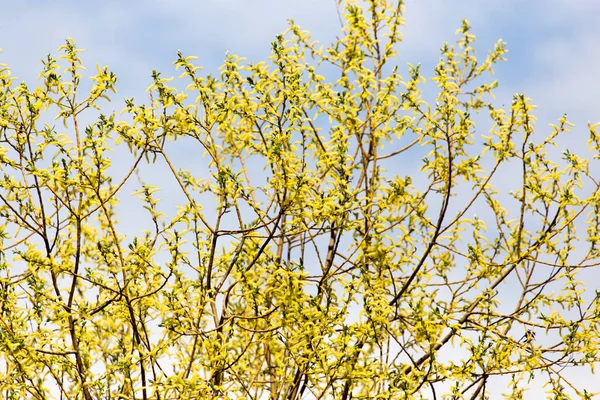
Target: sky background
[{"x": 553, "y": 44}]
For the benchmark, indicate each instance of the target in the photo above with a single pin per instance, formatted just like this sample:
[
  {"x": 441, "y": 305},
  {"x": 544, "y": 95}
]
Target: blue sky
[
  {"x": 553, "y": 44},
  {"x": 552, "y": 55}
]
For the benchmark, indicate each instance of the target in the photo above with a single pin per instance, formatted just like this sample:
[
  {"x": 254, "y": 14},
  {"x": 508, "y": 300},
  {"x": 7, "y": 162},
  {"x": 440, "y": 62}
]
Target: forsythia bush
[{"x": 372, "y": 256}]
